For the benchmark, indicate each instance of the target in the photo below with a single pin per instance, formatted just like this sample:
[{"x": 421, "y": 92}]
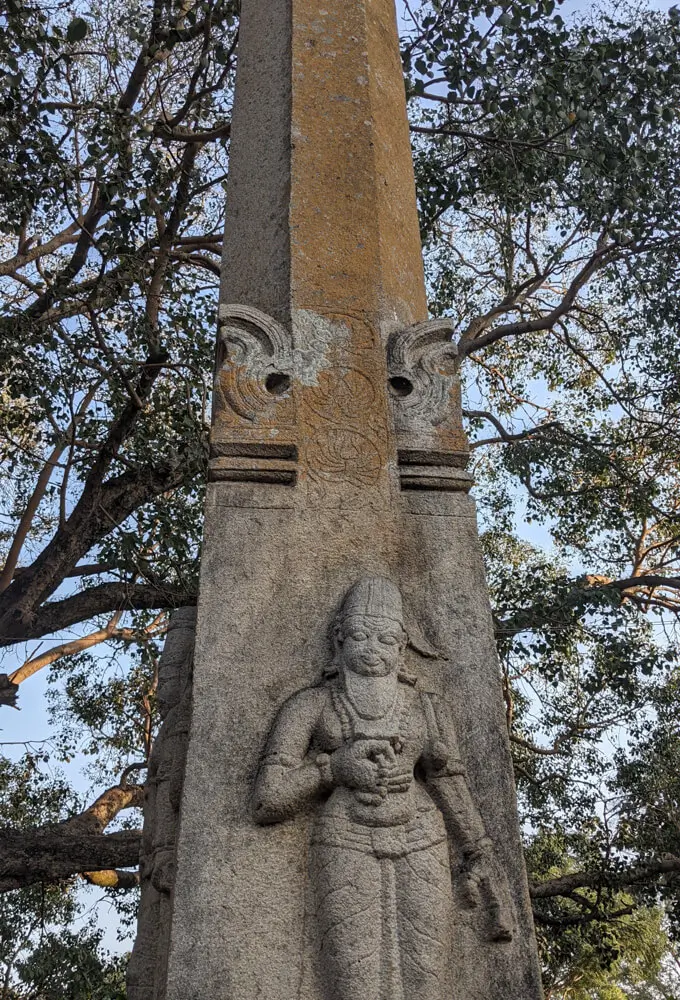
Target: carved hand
[
  {"x": 485, "y": 883},
  {"x": 163, "y": 870},
  {"x": 393, "y": 774},
  {"x": 358, "y": 765}
]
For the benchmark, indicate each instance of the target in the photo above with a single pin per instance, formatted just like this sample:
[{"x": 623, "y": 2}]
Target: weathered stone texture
[
  {"x": 247, "y": 921},
  {"x": 256, "y": 256}
]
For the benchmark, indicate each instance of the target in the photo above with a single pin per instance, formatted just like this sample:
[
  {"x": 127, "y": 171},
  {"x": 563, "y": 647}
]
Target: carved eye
[
  {"x": 389, "y": 639},
  {"x": 358, "y": 636}
]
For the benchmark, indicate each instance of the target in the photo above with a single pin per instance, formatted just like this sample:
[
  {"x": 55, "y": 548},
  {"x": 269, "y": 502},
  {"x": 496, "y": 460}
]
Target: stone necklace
[{"x": 355, "y": 726}]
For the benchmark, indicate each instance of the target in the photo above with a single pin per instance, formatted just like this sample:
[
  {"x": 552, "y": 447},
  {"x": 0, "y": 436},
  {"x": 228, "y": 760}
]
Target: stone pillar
[{"x": 342, "y": 834}]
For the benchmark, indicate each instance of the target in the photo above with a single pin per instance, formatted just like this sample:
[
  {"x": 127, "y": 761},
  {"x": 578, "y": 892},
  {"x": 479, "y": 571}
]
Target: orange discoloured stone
[
  {"x": 355, "y": 246},
  {"x": 345, "y": 426},
  {"x": 349, "y": 269},
  {"x": 354, "y": 228}
]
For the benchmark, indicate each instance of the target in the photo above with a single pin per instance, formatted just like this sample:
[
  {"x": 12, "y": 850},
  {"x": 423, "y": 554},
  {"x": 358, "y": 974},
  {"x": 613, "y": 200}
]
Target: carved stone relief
[
  {"x": 254, "y": 433},
  {"x": 396, "y": 840},
  {"x": 146, "y": 976},
  {"x": 331, "y": 426},
  {"x": 257, "y": 362},
  {"x": 425, "y": 397},
  {"x": 422, "y": 365},
  {"x": 343, "y": 411}
]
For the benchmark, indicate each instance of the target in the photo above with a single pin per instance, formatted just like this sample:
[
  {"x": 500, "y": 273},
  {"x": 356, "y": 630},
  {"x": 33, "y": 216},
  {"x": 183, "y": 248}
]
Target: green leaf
[{"x": 77, "y": 30}]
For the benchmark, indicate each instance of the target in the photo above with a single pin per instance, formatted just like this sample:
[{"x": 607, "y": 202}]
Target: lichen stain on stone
[{"x": 314, "y": 337}]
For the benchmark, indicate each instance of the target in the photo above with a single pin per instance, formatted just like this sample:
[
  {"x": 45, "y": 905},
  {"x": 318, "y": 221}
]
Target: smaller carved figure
[
  {"x": 146, "y": 976},
  {"x": 380, "y": 758}
]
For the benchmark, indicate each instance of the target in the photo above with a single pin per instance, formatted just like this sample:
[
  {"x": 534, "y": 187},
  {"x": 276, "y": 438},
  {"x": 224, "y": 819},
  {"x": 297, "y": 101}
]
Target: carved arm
[
  {"x": 484, "y": 876},
  {"x": 447, "y": 781},
  {"x": 284, "y": 788},
  {"x": 289, "y": 779},
  {"x": 463, "y": 821}
]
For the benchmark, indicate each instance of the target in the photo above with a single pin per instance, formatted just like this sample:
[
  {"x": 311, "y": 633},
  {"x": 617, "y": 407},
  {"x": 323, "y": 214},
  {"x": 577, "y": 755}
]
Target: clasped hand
[{"x": 370, "y": 766}]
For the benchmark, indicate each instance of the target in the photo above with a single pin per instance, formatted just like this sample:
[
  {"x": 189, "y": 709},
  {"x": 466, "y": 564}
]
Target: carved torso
[{"x": 324, "y": 718}]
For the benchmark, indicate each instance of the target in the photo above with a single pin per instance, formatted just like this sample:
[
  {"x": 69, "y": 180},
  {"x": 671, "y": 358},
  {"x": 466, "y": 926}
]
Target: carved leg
[
  {"x": 164, "y": 919},
  {"x": 141, "y": 970},
  {"x": 349, "y": 916},
  {"x": 424, "y": 902}
]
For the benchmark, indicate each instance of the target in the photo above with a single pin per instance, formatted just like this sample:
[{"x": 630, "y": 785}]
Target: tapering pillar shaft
[
  {"x": 322, "y": 211},
  {"x": 331, "y": 827}
]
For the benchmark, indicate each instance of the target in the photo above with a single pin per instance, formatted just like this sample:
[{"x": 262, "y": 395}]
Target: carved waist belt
[{"x": 426, "y": 830}]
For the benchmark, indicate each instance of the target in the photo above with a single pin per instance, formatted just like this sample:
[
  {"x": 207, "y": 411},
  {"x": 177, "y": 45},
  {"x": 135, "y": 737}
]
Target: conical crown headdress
[{"x": 376, "y": 596}]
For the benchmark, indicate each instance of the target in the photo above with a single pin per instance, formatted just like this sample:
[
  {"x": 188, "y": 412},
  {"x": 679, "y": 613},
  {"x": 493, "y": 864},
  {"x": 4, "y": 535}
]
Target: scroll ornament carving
[
  {"x": 378, "y": 759},
  {"x": 342, "y": 406},
  {"x": 257, "y": 360},
  {"x": 422, "y": 367}
]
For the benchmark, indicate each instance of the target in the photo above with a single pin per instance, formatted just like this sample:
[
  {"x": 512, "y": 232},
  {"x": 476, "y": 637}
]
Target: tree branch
[
  {"x": 26, "y": 520},
  {"x": 647, "y": 580},
  {"x": 472, "y": 339},
  {"x": 60, "y": 850},
  {"x": 12, "y": 264},
  {"x": 178, "y": 134},
  {"x": 63, "y": 649},
  {"x": 153, "y": 298},
  {"x": 564, "y": 885},
  {"x": 48, "y": 855},
  {"x": 553, "y": 751},
  {"x": 101, "y": 507},
  {"x": 87, "y": 569},
  {"x": 105, "y": 808},
  {"x": 198, "y": 260},
  {"x": 505, "y": 436},
  {"x": 102, "y": 599}
]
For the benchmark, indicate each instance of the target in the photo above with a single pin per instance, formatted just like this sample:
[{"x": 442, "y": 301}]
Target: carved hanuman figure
[{"x": 380, "y": 756}]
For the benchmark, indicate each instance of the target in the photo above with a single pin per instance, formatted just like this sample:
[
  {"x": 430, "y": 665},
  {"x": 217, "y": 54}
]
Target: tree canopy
[{"x": 547, "y": 155}]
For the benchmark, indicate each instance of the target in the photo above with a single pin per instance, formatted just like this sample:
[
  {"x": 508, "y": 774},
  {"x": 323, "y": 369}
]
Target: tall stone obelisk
[{"x": 348, "y": 821}]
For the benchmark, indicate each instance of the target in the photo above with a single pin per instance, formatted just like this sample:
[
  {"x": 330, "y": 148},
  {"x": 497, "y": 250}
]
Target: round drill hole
[
  {"x": 401, "y": 386},
  {"x": 277, "y": 383}
]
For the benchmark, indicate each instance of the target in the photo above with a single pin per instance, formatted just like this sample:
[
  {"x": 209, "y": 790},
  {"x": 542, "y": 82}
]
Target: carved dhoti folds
[{"x": 383, "y": 897}]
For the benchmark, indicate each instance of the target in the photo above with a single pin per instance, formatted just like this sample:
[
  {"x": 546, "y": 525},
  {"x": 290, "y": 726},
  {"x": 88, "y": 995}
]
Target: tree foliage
[
  {"x": 41, "y": 958},
  {"x": 546, "y": 151}
]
